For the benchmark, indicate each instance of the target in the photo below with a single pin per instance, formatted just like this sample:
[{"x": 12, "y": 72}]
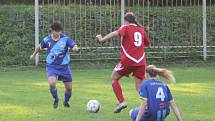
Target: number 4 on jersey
[{"x": 160, "y": 94}]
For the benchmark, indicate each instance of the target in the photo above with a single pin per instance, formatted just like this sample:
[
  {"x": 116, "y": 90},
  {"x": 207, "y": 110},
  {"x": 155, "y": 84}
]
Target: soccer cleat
[
  {"x": 120, "y": 107},
  {"x": 55, "y": 105},
  {"x": 66, "y": 104}
]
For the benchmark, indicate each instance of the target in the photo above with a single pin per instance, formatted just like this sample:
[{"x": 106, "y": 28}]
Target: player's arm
[
  {"x": 175, "y": 110},
  {"x": 32, "y": 57},
  {"x": 142, "y": 109},
  {"x": 71, "y": 43},
  {"x": 147, "y": 40},
  {"x": 108, "y": 36}
]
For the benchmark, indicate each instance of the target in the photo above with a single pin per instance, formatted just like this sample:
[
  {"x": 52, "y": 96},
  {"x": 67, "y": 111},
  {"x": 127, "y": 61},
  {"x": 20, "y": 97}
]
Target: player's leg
[
  {"x": 137, "y": 84},
  {"x": 65, "y": 75},
  {"x": 117, "y": 73},
  {"x": 68, "y": 93},
  {"x": 116, "y": 86},
  {"x": 133, "y": 115},
  {"x": 53, "y": 90},
  {"x": 139, "y": 75},
  {"x": 118, "y": 91}
]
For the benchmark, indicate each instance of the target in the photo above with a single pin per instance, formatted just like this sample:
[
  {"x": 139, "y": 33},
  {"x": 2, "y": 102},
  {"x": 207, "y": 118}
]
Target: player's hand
[
  {"x": 147, "y": 28},
  {"x": 32, "y": 57},
  {"x": 99, "y": 37},
  {"x": 75, "y": 48}
]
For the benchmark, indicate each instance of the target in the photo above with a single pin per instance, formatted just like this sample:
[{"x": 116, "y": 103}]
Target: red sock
[{"x": 117, "y": 90}]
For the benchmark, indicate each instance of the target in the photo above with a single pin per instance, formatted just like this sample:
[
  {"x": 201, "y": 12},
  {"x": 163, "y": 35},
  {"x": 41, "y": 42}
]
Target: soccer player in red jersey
[{"x": 133, "y": 58}]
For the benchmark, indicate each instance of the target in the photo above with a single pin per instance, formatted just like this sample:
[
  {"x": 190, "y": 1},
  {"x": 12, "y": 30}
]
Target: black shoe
[
  {"x": 66, "y": 104},
  {"x": 55, "y": 105},
  {"x": 120, "y": 107}
]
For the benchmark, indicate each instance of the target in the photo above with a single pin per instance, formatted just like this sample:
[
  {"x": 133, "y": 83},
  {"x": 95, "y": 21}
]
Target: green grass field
[{"x": 24, "y": 96}]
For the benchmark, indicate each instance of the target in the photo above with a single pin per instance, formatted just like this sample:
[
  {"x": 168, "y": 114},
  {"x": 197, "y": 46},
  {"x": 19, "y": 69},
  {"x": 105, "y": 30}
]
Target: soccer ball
[{"x": 93, "y": 106}]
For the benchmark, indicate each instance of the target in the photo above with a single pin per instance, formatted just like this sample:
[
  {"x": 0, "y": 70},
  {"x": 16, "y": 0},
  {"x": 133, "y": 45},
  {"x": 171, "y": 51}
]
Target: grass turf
[{"x": 24, "y": 96}]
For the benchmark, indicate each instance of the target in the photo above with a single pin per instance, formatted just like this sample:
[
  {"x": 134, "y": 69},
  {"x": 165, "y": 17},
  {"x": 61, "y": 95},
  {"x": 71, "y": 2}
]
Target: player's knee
[
  {"x": 52, "y": 85},
  {"x": 68, "y": 89},
  {"x": 114, "y": 82},
  {"x": 113, "y": 77},
  {"x": 130, "y": 112}
]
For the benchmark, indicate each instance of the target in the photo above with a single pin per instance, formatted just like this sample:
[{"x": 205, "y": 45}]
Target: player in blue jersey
[
  {"x": 57, "y": 61},
  {"x": 156, "y": 97}
]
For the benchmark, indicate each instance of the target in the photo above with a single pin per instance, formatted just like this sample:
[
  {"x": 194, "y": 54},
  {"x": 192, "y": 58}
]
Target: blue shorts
[
  {"x": 62, "y": 72},
  {"x": 148, "y": 116}
]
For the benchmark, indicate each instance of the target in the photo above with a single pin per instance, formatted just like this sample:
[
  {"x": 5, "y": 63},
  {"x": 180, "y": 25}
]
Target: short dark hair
[{"x": 56, "y": 26}]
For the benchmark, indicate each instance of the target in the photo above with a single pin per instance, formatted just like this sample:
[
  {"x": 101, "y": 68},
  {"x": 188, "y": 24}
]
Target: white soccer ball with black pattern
[{"x": 93, "y": 106}]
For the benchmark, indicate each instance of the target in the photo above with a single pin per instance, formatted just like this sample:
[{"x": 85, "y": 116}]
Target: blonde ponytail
[{"x": 153, "y": 71}]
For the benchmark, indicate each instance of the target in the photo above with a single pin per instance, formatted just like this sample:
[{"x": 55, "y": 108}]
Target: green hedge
[
  {"x": 16, "y": 34},
  {"x": 103, "y": 2},
  {"x": 168, "y": 27}
]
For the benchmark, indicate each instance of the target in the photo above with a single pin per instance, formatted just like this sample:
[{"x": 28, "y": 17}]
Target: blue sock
[
  {"x": 54, "y": 93},
  {"x": 67, "y": 96}
]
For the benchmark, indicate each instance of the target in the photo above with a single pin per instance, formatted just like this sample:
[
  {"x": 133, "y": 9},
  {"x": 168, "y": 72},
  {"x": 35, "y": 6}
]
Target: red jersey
[{"x": 134, "y": 39}]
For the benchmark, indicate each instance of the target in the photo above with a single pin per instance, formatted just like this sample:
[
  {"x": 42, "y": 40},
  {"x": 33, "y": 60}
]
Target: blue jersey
[
  {"x": 158, "y": 98},
  {"x": 57, "y": 51}
]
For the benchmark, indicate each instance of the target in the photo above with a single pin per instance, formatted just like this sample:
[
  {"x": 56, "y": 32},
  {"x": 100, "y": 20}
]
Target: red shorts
[{"x": 137, "y": 71}]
